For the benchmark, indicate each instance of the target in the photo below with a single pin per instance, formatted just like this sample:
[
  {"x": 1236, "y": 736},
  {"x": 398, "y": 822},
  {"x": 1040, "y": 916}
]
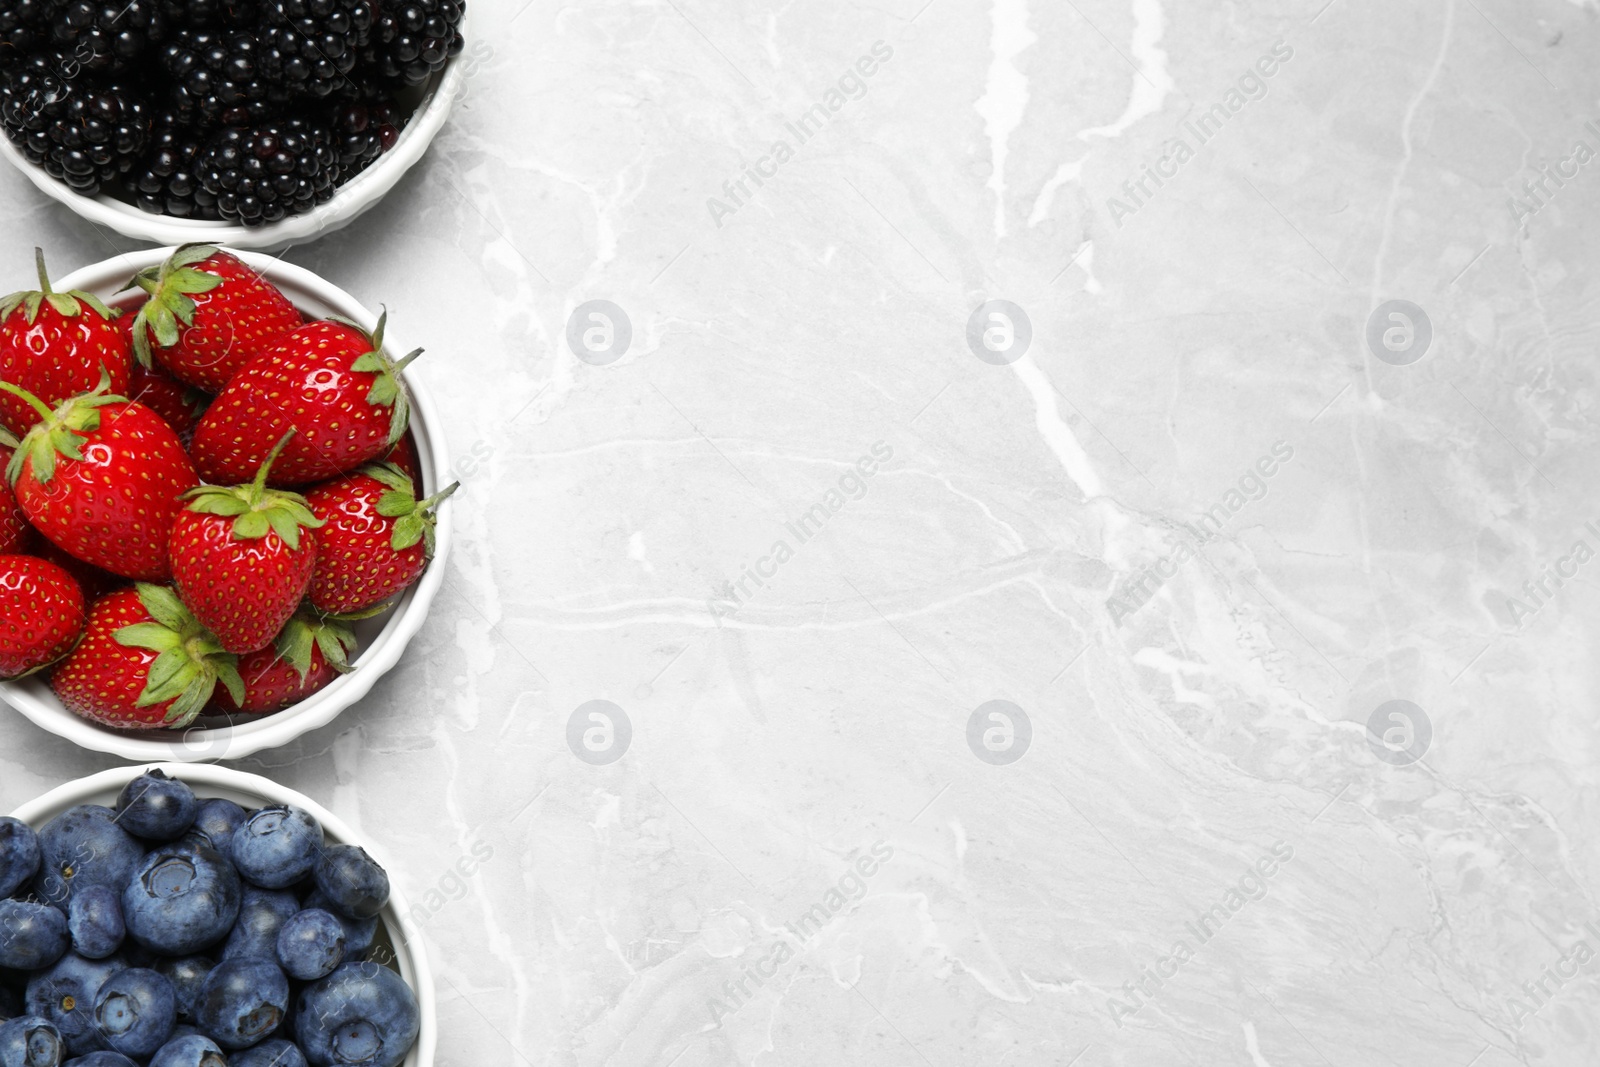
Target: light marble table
[{"x": 1197, "y": 518}]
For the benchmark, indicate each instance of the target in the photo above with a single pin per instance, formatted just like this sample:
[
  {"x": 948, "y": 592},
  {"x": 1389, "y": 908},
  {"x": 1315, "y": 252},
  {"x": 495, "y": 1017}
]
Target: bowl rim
[
  {"x": 349, "y": 201},
  {"x": 396, "y": 914},
  {"x": 198, "y": 744}
]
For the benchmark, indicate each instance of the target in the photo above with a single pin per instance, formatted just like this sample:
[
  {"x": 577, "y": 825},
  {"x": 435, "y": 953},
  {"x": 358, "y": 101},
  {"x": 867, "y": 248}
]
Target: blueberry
[
  {"x": 31, "y": 935},
  {"x": 361, "y": 1015},
  {"x": 136, "y": 1011},
  {"x": 103, "y": 1058},
  {"x": 274, "y": 1053},
  {"x": 276, "y": 846},
  {"x": 311, "y": 945},
  {"x": 94, "y": 918},
  {"x": 242, "y": 1002},
  {"x": 156, "y": 807},
  {"x": 187, "y": 974},
  {"x": 181, "y": 899},
  {"x": 218, "y": 819},
  {"x": 191, "y": 1050},
  {"x": 352, "y": 881},
  {"x": 359, "y": 934},
  {"x": 84, "y": 846},
  {"x": 30, "y": 1042},
  {"x": 19, "y": 855},
  {"x": 261, "y": 916},
  {"x": 64, "y": 995}
]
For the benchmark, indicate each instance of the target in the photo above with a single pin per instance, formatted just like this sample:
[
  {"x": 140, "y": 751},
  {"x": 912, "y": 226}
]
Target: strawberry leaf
[
  {"x": 407, "y": 532},
  {"x": 396, "y": 502},
  {"x": 249, "y": 526},
  {"x": 164, "y": 606},
  {"x": 63, "y": 304},
  {"x": 169, "y": 675},
  {"x": 227, "y": 668},
  {"x": 150, "y": 635}
]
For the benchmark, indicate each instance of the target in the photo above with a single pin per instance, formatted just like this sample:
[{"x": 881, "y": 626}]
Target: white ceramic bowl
[
  {"x": 253, "y": 791},
  {"x": 349, "y": 201},
  {"x": 383, "y": 638}
]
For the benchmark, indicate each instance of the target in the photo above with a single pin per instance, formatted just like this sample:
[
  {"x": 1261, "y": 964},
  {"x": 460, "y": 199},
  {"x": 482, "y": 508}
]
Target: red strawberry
[
  {"x": 56, "y": 345},
  {"x": 94, "y": 581},
  {"x": 209, "y": 314},
  {"x": 14, "y": 529},
  {"x": 377, "y": 541},
  {"x": 404, "y": 456},
  {"x": 181, "y": 405},
  {"x": 144, "y": 663},
  {"x": 41, "y": 614},
  {"x": 104, "y": 478},
  {"x": 240, "y": 560},
  {"x": 310, "y": 652},
  {"x": 330, "y": 382}
]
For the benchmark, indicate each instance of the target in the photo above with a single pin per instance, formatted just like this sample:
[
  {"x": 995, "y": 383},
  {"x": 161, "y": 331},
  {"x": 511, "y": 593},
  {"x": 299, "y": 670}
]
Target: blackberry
[
  {"x": 23, "y": 27},
  {"x": 413, "y": 39},
  {"x": 106, "y": 36},
  {"x": 215, "y": 79},
  {"x": 309, "y": 47},
  {"x": 363, "y": 132},
  {"x": 164, "y": 182},
  {"x": 209, "y": 14},
  {"x": 83, "y": 132},
  {"x": 268, "y": 172}
]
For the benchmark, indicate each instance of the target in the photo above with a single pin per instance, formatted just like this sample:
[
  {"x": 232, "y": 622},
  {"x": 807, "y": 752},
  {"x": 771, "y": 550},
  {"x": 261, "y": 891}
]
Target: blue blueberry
[
  {"x": 359, "y": 934},
  {"x": 361, "y": 1015},
  {"x": 31, "y": 1042},
  {"x": 242, "y": 1002},
  {"x": 311, "y": 945},
  {"x": 64, "y": 996},
  {"x": 187, "y": 974},
  {"x": 277, "y": 846},
  {"x": 156, "y": 807},
  {"x": 274, "y": 1053},
  {"x": 218, "y": 819},
  {"x": 136, "y": 1011},
  {"x": 181, "y": 899},
  {"x": 261, "y": 916},
  {"x": 19, "y": 855},
  {"x": 84, "y": 846},
  {"x": 31, "y": 935},
  {"x": 103, "y": 1058},
  {"x": 352, "y": 880},
  {"x": 94, "y": 918},
  {"x": 191, "y": 1050}
]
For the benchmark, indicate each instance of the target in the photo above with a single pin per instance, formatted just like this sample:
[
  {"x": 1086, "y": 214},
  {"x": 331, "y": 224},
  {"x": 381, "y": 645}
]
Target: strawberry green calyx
[
  {"x": 329, "y": 634},
  {"x": 189, "y": 661},
  {"x": 58, "y": 432},
  {"x": 255, "y": 508},
  {"x": 69, "y": 304},
  {"x": 416, "y": 518},
  {"x": 170, "y": 286},
  {"x": 388, "y": 391}
]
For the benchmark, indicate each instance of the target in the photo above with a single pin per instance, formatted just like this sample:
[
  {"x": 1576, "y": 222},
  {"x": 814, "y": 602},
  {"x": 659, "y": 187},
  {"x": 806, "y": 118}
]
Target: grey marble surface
[{"x": 1218, "y": 514}]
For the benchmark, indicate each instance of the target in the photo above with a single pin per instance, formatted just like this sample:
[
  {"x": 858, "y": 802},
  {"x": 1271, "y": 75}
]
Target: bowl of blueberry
[
  {"x": 252, "y": 123},
  {"x": 202, "y": 917}
]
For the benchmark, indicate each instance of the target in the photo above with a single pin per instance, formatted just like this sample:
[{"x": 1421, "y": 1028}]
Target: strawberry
[
  {"x": 328, "y": 380},
  {"x": 240, "y": 560},
  {"x": 404, "y": 456},
  {"x": 104, "y": 478},
  {"x": 56, "y": 345},
  {"x": 181, "y": 405},
  {"x": 377, "y": 539},
  {"x": 144, "y": 662},
  {"x": 94, "y": 581},
  {"x": 310, "y": 652},
  {"x": 15, "y": 533},
  {"x": 209, "y": 314},
  {"x": 41, "y": 614}
]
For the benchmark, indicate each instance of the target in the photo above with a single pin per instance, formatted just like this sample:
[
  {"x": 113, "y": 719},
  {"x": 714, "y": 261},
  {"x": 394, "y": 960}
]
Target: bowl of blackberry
[{"x": 251, "y": 123}]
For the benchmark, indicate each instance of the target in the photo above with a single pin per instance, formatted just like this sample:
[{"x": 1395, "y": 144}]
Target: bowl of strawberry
[{"x": 221, "y": 519}]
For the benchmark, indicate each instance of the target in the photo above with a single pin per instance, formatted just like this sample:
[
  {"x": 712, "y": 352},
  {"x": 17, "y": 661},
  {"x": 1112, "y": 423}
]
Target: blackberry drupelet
[
  {"x": 363, "y": 132},
  {"x": 309, "y": 47},
  {"x": 85, "y": 133},
  {"x": 105, "y": 36},
  {"x": 23, "y": 28},
  {"x": 216, "y": 79},
  {"x": 165, "y": 182},
  {"x": 269, "y": 172},
  {"x": 413, "y": 39}
]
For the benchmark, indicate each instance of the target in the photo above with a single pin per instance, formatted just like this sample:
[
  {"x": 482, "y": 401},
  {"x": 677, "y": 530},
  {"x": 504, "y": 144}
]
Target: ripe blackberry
[
  {"x": 413, "y": 39},
  {"x": 215, "y": 79},
  {"x": 85, "y": 133},
  {"x": 309, "y": 47},
  {"x": 209, "y": 14},
  {"x": 23, "y": 28},
  {"x": 363, "y": 132},
  {"x": 266, "y": 173},
  {"x": 164, "y": 182},
  {"x": 105, "y": 36}
]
